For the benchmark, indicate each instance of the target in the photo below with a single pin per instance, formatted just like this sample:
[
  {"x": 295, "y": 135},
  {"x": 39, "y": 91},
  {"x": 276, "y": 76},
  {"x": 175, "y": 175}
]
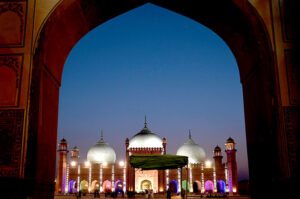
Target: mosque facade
[{"x": 101, "y": 173}]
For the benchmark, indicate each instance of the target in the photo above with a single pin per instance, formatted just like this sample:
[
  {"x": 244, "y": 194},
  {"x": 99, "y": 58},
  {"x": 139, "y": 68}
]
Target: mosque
[{"x": 101, "y": 172}]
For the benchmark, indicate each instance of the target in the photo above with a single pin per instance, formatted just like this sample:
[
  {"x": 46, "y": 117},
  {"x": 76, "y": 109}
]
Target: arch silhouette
[{"x": 242, "y": 30}]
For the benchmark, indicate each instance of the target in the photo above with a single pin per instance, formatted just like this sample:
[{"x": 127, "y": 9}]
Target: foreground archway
[{"x": 242, "y": 30}]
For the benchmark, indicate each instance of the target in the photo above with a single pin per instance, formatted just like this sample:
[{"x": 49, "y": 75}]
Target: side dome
[
  {"x": 101, "y": 152},
  {"x": 145, "y": 139},
  {"x": 193, "y": 151}
]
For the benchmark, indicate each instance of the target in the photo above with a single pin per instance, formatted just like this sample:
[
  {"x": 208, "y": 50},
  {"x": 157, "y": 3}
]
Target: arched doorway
[
  {"x": 173, "y": 186},
  {"x": 250, "y": 44},
  {"x": 107, "y": 186},
  {"x": 119, "y": 186},
  {"x": 221, "y": 186},
  {"x": 209, "y": 186},
  {"x": 95, "y": 186},
  {"x": 72, "y": 186},
  {"x": 146, "y": 185},
  {"x": 84, "y": 186},
  {"x": 185, "y": 185},
  {"x": 197, "y": 187}
]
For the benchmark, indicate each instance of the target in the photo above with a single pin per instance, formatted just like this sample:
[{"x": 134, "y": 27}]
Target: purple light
[
  {"x": 221, "y": 186},
  {"x": 209, "y": 186},
  {"x": 119, "y": 188},
  {"x": 72, "y": 186}
]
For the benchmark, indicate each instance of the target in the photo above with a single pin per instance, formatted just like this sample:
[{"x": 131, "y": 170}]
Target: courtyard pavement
[{"x": 140, "y": 197}]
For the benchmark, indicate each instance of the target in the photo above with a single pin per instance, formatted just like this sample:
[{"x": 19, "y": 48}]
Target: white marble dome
[
  {"x": 101, "y": 152},
  {"x": 193, "y": 151},
  {"x": 145, "y": 138}
]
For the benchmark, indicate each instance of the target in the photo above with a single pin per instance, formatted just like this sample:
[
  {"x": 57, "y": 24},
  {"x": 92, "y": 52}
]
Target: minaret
[
  {"x": 231, "y": 166},
  {"x": 219, "y": 168},
  {"x": 218, "y": 158},
  {"x": 129, "y": 171},
  {"x": 62, "y": 166},
  {"x": 164, "y": 145},
  {"x": 74, "y": 156}
]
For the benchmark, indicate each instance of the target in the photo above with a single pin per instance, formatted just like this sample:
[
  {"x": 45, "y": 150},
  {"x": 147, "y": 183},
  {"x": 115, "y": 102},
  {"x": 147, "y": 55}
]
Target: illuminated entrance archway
[
  {"x": 84, "y": 186},
  {"x": 72, "y": 186},
  {"x": 242, "y": 30},
  {"x": 119, "y": 186},
  {"x": 95, "y": 186},
  {"x": 146, "y": 185},
  {"x": 173, "y": 186},
  {"x": 209, "y": 186},
  {"x": 197, "y": 187},
  {"x": 107, "y": 186},
  {"x": 221, "y": 186}
]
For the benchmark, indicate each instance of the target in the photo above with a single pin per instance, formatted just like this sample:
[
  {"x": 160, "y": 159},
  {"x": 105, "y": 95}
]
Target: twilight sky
[{"x": 151, "y": 61}]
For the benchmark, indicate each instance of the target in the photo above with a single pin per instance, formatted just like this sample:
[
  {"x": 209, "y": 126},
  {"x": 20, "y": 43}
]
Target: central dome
[
  {"x": 101, "y": 152},
  {"x": 193, "y": 151},
  {"x": 145, "y": 139}
]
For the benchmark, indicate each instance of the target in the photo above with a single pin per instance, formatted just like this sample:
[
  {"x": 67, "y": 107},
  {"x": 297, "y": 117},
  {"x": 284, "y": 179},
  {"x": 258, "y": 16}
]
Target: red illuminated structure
[{"x": 101, "y": 172}]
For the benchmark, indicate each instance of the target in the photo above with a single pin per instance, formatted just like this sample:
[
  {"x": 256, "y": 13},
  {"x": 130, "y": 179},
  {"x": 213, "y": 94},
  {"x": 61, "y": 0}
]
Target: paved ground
[{"x": 140, "y": 197}]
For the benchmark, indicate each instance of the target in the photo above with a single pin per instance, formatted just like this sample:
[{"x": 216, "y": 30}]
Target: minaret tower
[
  {"x": 74, "y": 156},
  {"x": 165, "y": 146},
  {"x": 218, "y": 163},
  {"x": 62, "y": 166},
  {"x": 231, "y": 166}
]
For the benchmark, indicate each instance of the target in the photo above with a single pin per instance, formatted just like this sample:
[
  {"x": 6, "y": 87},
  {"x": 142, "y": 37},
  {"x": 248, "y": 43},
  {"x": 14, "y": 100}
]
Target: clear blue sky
[{"x": 151, "y": 61}]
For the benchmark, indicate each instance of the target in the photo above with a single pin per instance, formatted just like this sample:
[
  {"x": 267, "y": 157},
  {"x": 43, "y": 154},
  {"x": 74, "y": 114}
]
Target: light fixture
[
  {"x": 121, "y": 163},
  {"x": 73, "y": 163},
  {"x": 104, "y": 164},
  {"x": 207, "y": 164},
  {"x": 87, "y": 164}
]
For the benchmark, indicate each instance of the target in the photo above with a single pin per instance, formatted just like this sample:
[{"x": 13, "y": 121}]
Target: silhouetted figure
[
  {"x": 168, "y": 194},
  {"x": 182, "y": 193},
  {"x": 79, "y": 194}
]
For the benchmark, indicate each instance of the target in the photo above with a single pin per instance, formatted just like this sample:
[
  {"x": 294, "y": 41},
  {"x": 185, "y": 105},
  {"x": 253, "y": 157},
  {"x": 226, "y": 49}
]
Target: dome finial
[
  {"x": 145, "y": 122},
  {"x": 190, "y": 134},
  {"x": 101, "y": 137}
]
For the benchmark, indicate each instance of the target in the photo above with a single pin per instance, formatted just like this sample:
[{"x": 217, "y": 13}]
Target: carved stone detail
[
  {"x": 11, "y": 85},
  {"x": 293, "y": 74},
  {"x": 292, "y": 129},
  {"x": 18, "y": 7},
  {"x": 12, "y": 62},
  {"x": 288, "y": 10},
  {"x": 11, "y": 128}
]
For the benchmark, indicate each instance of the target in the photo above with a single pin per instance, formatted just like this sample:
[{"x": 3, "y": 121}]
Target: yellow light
[
  {"x": 104, "y": 164},
  {"x": 73, "y": 163},
  {"x": 121, "y": 163},
  {"x": 234, "y": 190},
  {"x": 97, "y": 185},
  {"x": 87, "y": 164},
  {"x": 207, "y": 163}
]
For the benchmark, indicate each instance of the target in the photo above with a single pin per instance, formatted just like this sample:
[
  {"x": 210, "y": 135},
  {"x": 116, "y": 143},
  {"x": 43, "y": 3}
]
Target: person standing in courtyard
[{"x": 169, "y": 194}]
